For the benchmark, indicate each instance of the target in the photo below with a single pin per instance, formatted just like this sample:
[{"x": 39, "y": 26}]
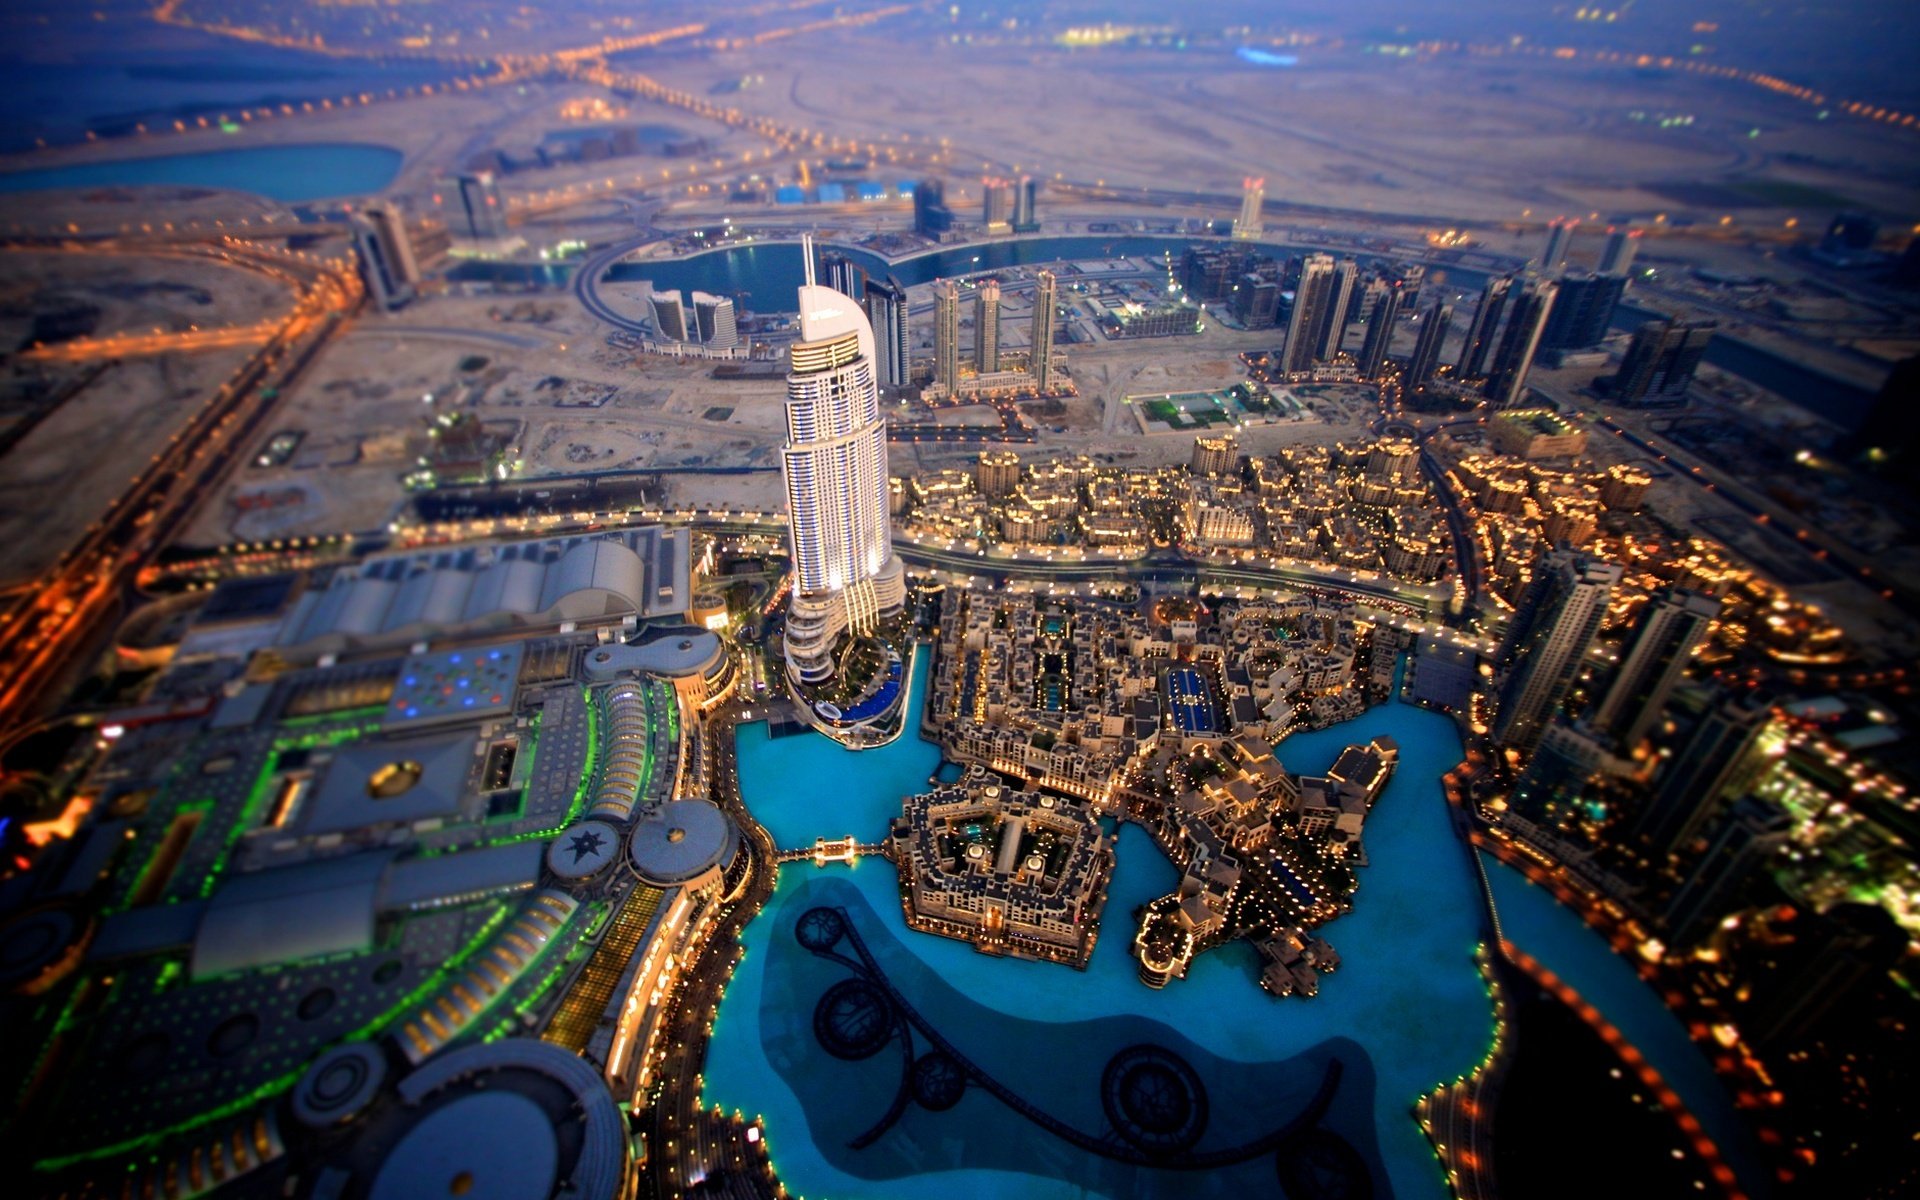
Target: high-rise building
[
  {"x": 714, "y": 320},
  {"x": 1255, "y": 301},
  {"x": 1310, "y": 300},
  {"x": 1559, "y": 240},
  {"x": 1547, "y": 642},
  {"x": 946, "y": 335},
  {"x": 1046, "y": 306},
  {"x": 1616, "y": 256},
  {"x": 1507, "y": 373},
  {"x": 1373, "y": 350},
  {"x": 845, "y": 576},
  {"x": 1485, "y": 324},
  {"x": 931, "y": 216},
  {"x": 1751, "y": 833},
  {"x": 387, "y": 265},
  {"x": 1426, "y": 348},
  {"x": 997, "y": 473},
  {"x": 483, "y": 208},
  {"x": 1659, "y": 363},
  {"x": 669, "y": 316},
  {"x": 887, "y": 313},
  {"x": 1214, "y": 454},
  {"x": 1840, "y": 954},
  {"x": 1208, "y": 272},
  {"x": 1334, "y": 320},
  {"x": 986, "y": 328},
  {"x": 1721, "y": 756},
  {"x": 996, "y": 205},
  {"x": 845, "y": 276},
  {"x": 1561, "y": 781},
  {"x": 1253, "y": 199},
  {"x": 1026, "y": 206},
  {"x": 1583, "y": 311},
  {"x": 1674, "y": 622}
]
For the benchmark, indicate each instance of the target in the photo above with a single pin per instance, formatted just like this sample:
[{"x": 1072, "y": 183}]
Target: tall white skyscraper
[
  {"x": 1547, "y": 642},
  {"x": 986, "y": 328},
  {"x": 1046, "y": 298},
  {"x": 1507, "y": 378},
  {"x": 1616, "y": 257},
  {"x": 669, "y": 316},
  {"x": 1559, "y": 240},
  {"x": 845, "y": 576},
  {"x": 1310, "y": 300},
  {"x": 946, "y": 336},
  {"x": 1333, "y": 326},
  {"x": 1673, "y": 623},
  {"x": 887, "y": 313},
  {"x": 1253, "y": 197},
  {"x": 715, "y": 320}
]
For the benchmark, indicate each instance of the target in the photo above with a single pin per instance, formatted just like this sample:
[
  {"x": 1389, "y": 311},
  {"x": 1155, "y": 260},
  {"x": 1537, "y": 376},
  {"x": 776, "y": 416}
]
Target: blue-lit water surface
[
  {"x": 1407, "y": 990},
  {"x": 292, "y": 173}
]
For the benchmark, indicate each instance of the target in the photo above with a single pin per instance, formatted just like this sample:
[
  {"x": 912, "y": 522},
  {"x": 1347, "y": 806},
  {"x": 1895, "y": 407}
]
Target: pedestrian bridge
[{"x": 834, "y": 850}]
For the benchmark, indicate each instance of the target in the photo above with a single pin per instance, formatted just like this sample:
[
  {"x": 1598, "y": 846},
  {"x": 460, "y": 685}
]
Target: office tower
[
  {"x": 1256, "y": 301},
  {"x": 1616, "y": 257},
  {"x": 1310, "y": 304},
  {"x": 887, "y": 313},
  {"x": 1026, "y": 206},
  {"x": 1046, "y": 302},
  {"x": 1214, "y": 454},
  {"x": 1413, "y": 276},
  {"x": 1507, "y": 373},
  {"x": 484, "y": 209},
  {"x": 1310, "y": 299},
  {"x": 1564, "y": 779},
  {"x": 1207, "y": 272},
  {"x": 1481, "y": 330},
  {"x": 1253, "y": 198},
  {"x": 1335, "y": 318},
  {"x": 845, "y": 276},
  {"x": 996, "y": 205},
  {"x": 1547, "y": 643},
  {"x": 1426, "y": 348},
  {"x": 997, "y": 473},
  {"x": 1559, "y": 241},
  {"x": 1838, "y": 956},
  {"x": 713, "y": 318},
  {"x": 986, "y": 328},
  {"x": 387, "y": 264},
  {"x": 1719, "y": 757},
  {"x": 946, "y": 335},
  {"x": 669, "y": 316},
  {"x": 1659, "y": 363},
  {"x": 1674, "y": 622},
  {"x": 931, "y": 216},
  {"x": 1752, "y": 831},
  {"x": 1583, "y": 311},
  {"x": 845, "y": 576},
  {"x": 1373, "y": 350}
]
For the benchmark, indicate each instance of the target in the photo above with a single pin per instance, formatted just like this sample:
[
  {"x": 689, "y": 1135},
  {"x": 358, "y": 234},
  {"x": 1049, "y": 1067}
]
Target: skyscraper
[
  {"x": 1507, "y": 374},
  {"x": 1310, "y": 300},
  {"x": 996, "y": 205},
  {"x": 946, "y": 335},
  {"x": 669, "y": 316},
  {"x": 1426, "y": 349},
  {"x": 1674, "y": 622},
  {"x": 1026, "y": 206},
  {"x": 845, "y": 276},
  {"x": 1046, "y": 302},
  {"x": 986, "y": 328},
  {"x": 1616, "y": 257},
  {"x": 1253, "y": 198},
  {"x": 1548, "y": 641},
  {"x": 845, "y": 576},
  {"x": 1333, "y": 322},
  {"x": 1746, "y": 838},
  {"x": 931, "y": 216},
  {"x": 1583, "y": 311},
  {"x": 1485, "y": 324},
  {"x": 887, "y": 313},
  {"x": 1719, "y": 757},
  {"x": 1373, "y": 351},
  {"x": 482, "y": 206},
  {"x": 387, "y": 264},
  {"x": 714, "y": 319},
  {"x": 1559, "y": 240},
  {"x": 1659, "y": 363}
]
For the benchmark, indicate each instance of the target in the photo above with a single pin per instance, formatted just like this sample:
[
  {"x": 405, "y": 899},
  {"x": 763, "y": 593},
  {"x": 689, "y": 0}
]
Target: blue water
[
  {"x": 313, "y": 171},
  {"x": 1407, "y": 991},
  {"x": 1538, "y": 924}
]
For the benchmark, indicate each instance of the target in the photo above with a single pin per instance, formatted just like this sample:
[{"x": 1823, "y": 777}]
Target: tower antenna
[{"x": 806, "y": 251}]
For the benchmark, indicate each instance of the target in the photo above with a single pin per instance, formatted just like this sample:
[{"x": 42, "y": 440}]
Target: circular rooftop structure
[
  {"x": 494, "y": 1145},
  {"x": 680, "y": 841},
  {"x": 583, "y": 849},
  {"x": 340, "y": 1085}
]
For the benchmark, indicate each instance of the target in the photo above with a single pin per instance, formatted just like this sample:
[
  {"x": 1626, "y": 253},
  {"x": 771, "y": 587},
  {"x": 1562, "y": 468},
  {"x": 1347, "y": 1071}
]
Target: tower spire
[{"x": 806, "y": 254}]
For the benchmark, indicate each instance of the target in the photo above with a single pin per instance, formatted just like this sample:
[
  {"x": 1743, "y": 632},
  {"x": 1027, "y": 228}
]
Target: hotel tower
[{"x": 845, "y": 576}]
